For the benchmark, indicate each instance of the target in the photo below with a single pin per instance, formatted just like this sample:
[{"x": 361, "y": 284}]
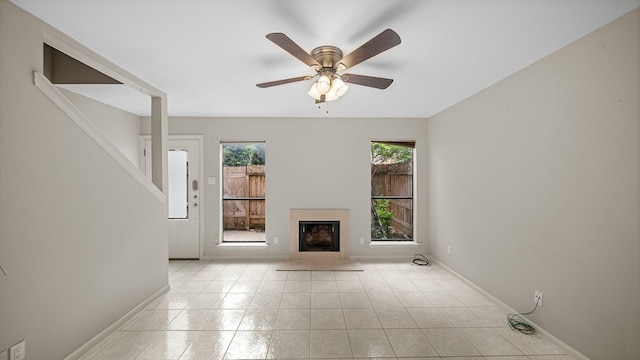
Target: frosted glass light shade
[
  {"x": 339, "y": 87},
  {"x": 331, "y": 95},
  {"x": 323, "y": 84},
  {"x": 313, "y": 92}
]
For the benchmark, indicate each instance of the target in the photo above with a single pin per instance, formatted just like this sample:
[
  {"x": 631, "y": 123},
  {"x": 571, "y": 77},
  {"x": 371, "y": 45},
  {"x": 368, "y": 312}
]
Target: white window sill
[
  {"x": 243, "y": 244},
  {"x": 393, "y": 243}
]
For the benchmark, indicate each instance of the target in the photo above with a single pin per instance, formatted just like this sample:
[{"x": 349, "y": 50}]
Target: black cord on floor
[
  {"x": 419, "y": 259},
  {"x": 518, "y": 323}
]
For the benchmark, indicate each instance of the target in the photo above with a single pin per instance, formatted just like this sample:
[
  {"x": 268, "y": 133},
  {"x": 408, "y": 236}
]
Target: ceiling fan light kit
[
  {"x": 328, "y": 88},
  {"x": 327, "y": 60}
]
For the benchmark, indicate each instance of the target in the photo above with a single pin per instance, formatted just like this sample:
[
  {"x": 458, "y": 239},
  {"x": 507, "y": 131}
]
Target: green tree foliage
[
  {"x": 390, "y": 154},
  {"x": 243, "y": 154}
]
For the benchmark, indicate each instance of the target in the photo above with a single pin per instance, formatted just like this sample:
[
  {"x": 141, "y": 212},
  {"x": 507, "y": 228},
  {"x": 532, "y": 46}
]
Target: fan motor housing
[{"x": 327, "y": 56}]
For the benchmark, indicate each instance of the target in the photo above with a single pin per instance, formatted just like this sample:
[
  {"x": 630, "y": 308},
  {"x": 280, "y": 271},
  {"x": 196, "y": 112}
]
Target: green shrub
[{"x": 381, "y": 222}]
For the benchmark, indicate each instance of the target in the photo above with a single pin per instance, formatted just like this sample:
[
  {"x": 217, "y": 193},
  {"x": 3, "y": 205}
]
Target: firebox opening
[{"x": 319, "y": 235}]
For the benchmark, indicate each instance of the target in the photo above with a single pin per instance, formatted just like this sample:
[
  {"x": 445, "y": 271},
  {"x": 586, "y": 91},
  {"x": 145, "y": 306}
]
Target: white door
[{"x": 183, "y": 196}]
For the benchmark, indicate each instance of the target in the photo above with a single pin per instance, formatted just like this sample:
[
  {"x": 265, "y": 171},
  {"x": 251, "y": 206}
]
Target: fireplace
[{"x": 319, "y": 234}]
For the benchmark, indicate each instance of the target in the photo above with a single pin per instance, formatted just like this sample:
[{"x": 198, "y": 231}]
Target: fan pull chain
[{"x": 320, "y": 106}]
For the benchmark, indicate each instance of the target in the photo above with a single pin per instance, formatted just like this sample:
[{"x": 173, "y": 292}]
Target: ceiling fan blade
[
  {"x": 371, "y": 81},
  {"x": 294, "y": 49},
  {"x": 381, "y": 42},
  {"x": 283, "y": 81}
]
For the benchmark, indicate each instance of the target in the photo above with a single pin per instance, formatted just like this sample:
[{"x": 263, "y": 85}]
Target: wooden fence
[
  {"x": 242, "y": 183},
  {"x": 245, "y": 182},
  {"x": 396, "y": 180}
]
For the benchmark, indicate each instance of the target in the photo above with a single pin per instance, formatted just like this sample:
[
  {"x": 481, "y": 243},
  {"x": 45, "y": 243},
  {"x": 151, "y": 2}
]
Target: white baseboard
[
  {"x": 241, "y": 258},
  {"x": 115, "y": 326},
  {"x": 547, "y": 335},
  {"x": 406, "y": 258}
]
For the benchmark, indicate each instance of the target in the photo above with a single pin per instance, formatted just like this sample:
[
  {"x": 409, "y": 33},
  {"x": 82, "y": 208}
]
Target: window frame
[
  {"x": 412, "y": 196},
  {"x": 222, "y": 240}
]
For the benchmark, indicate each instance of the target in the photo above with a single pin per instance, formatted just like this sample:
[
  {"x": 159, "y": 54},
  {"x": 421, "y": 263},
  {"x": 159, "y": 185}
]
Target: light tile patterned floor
[{"x": 391, "y": 310}]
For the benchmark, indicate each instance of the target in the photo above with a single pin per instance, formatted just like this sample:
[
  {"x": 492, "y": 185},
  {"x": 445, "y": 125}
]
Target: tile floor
[{"x": 391, "y": 310}]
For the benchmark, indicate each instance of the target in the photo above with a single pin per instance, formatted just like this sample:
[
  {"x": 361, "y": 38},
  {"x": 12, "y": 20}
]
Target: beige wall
[
  {"x": 535, "y": 183},
  {"x": 118, "y": 126},
  {"x": 81, "y": 240},
  {"x": 319, "y": 163}
]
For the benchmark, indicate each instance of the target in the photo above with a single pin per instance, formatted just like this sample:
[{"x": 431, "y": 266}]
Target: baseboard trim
[
  {"x": 115, "y": 326},
  {"x": 406, "y": 258},
  {"x": 242, "y": 258},
  {"x": 547, "y": 335}
]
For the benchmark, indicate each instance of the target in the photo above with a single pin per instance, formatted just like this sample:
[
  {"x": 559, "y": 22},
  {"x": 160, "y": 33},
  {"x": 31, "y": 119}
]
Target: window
[
  {"x": 392, "y": 190},
  {"x": 178, "y": 177},
  {"x": 243, "y": 199}
]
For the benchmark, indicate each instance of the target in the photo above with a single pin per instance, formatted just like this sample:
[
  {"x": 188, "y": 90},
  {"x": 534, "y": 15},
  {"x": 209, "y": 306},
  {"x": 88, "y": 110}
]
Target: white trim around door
[{"x": 145, "y": 164}]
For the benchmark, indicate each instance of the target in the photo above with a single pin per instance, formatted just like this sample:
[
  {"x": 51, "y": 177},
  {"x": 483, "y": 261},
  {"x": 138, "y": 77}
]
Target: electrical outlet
[
  {"x": 538, "y": 298},
  {"x": 276, "y": 240},
  {"x": 18, "y": 351},
  {"x": 449, "y": 249},
  {"x": 361, "y": 240}
]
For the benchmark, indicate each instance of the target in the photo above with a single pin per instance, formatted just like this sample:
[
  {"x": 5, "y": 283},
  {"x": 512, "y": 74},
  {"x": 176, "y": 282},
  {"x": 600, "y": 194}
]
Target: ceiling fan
[{"x": 327, "y": 61}]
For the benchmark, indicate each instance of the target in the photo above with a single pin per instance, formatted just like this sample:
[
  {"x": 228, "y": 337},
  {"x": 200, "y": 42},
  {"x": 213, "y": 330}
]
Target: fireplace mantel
[{"x": 297, "y": 215}]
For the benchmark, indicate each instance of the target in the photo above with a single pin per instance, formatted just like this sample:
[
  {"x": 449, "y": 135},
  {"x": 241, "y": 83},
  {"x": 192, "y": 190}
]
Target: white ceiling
[{"x": 207, "y": 55}]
